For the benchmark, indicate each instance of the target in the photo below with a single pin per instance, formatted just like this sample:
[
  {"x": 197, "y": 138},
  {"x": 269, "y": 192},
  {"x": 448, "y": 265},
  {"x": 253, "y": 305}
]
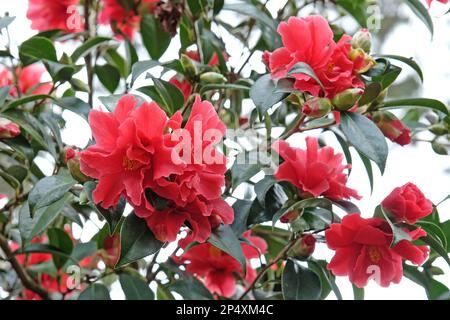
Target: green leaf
[
  {"x": 357, "y": 9},
  {"x": 95, "y": 291},
  {"x": 156, "y": 40},
  {"x": 61, "y": 240},
  {"x": 327, "y": 280},
  {"x": 167, "y": 95},
  {"x": 24, "y": 100},
  {"x": 49, "y": 190},
  {"x": 109, "y": 76},
  {"x": 224, "y": 238},
  {"x": 136, "y": 241},
  {"x": 416, "y": 102},
  {"x": 300, "y": 283},
  {"x": 210, "y": 87},
  {"x": 304, "y": 68},
  {"x": 250, "y": 10},
  {"x": 262, "y": 187},
  {"x": 140, "y": 67},
  {"x": 265, "y": 92},
  {"x": 302, "y": 204},
  {"x": 398, "y": 233},
  {"x": 75, "y": 105},
  {"x": 422, "y": 13},
  {"x": 371, "y": 92},
  {"x": 368, "y": 166},
  {"x": 241, "y": 210},
  {"x": 112, "y": 215},
  {"x": 135, "y": 288},
  {"x": 163, "y": 293},
  {"x": 243, "y": 172},
  {"x": 365, "y": 136},
  {"x": 87, "y": 47},
  {"x": 38, "y": 48},
  {"x": 435, "y": 231},
  {"x": 409, "y": 61},
  {"x": 190, "y": 289},
  {"x": 43, "y": 217},
  {"x": 345, "y": 149},
  {"x": 6, "y": 21}
]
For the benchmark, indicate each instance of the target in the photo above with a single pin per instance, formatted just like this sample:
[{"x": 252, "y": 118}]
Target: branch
[
  {"x": 27, "y": 281},
  {"x": 281, "y": 256}
]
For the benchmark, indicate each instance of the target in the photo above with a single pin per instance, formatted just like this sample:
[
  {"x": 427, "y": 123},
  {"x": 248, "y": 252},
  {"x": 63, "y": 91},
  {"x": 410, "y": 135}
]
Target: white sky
[{"x": 416, "y": 164}]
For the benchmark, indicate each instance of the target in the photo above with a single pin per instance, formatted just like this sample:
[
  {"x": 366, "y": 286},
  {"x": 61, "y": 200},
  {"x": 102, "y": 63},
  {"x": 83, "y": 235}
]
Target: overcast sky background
[{"x": 417, "y": 164}]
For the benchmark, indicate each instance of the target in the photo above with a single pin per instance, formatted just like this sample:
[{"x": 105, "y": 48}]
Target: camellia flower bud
[
  {"x": 212, "y": 78},
  {"x": 290, "y": 216},
  {"x": 304, "y": 247},
  {"x": 72, "y": 159},
  {"x": 317, "y": 107},
  {"x": 392, "y": 127},
  {"x": 188, "y": 66},
  {"x": 347, "y": 98},
  {"x": 439, "y": 129},
  {"x": 8, "y": 129},
  {"x": 362, "y": 40},
  {"x": 363, "y": 62}
]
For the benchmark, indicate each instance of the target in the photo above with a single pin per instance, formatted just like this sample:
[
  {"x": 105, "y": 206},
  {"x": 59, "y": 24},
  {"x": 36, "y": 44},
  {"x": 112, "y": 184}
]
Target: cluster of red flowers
[
  {"x": 310, "y": 40},
  {"x": 137, "y": 155},
  {"x": 363, "y": 246},
  {"x": 29, "y": 80},
  {"x": 217, "y": 269},
  {"x": 63, "y": 15}
]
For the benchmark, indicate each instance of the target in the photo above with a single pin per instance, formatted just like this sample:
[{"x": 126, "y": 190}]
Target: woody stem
[{"x": 27, "y": 281}]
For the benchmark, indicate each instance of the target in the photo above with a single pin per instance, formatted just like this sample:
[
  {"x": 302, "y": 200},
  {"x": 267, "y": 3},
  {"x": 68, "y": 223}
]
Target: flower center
[
  {"x": 330, "y": 66},
  {"x": 215, "y": 252},
  {"x": 130, "y": 165},
  {"x": 374, "y": 254}
]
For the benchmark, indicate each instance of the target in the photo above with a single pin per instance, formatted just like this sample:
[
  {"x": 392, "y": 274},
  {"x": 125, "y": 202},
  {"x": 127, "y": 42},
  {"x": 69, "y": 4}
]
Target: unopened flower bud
[
  {"x": 72, "y": 159},
  {"x": 392, "y": 127},
  {"x": 439, "y": 129},
  {"x": 362, "y": 61},
  {"x": 317, "y": 107},
  {"x": 347, "y": 98},
  {"x": 188, "y": 65},
  {"x": 304, "y": 247},
  {"x": 290, "y": 216},
  {"x": 212, "y": 78},
  {"x": 266, "y": 58},
  {"x": 362, "y": 40},
  {"x": 8, "y": 129}
]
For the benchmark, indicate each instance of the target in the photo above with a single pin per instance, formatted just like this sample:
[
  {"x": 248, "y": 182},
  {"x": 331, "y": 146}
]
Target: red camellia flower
[
  {"x": 29, "y": 80},
  {"x": 310, "y": 40},
  {"x": 54, "y": 14},
  {"x": 194, "y": 194},
  {"x": 431, "y": 1},
  {"x": 316, "y": 171},
  {"x": 392, "y": 127},
  {"x": 8, "y": 129},
  {"x": 217, "y": 269},
  {"x": 122, "y": 19},
  {"x": 129, "y": 144},
  {"x": 363, "y": 250},
  {"x": 407, "y": 204}
]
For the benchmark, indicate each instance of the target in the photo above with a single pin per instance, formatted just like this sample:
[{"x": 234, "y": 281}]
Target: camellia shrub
[{"x": 207, "y": 177}]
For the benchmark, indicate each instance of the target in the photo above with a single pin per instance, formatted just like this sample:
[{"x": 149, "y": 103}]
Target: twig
[
  {"x": 281, "y": 256},
  {"x": 27, "y": 281}
]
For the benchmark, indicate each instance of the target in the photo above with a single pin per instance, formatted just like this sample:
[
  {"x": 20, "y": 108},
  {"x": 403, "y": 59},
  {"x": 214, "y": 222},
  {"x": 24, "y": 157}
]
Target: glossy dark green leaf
[
  {"x": 87, "y": 47},
  {"x": 417, "y": 102},
  {"x": 38, "y": 48},
  {"x": 109, "y": 76},
  {"x": 95, "y": 291},
  {"x": 422, "y": 13},
  {"x": 365, "y": 136},
  {"x": 156, "y": 39},
  {"x": 224, "y": 238},
  {"x": 265, "y": 92},
  {"x": 190, "y": 289},
  {"x": 135, "y": 288},
  {"x": 304, "y": 68},
  {"x": 409, "y": 61},
  {"x": 241, "y": 210},
  {"x": 136, "y": 241},
  {"x": 61, "y": 240},
  {"x": 307, "y": 203},
  {"x": 75, "y": 105},
  {"x": 300, "y": 283}
]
